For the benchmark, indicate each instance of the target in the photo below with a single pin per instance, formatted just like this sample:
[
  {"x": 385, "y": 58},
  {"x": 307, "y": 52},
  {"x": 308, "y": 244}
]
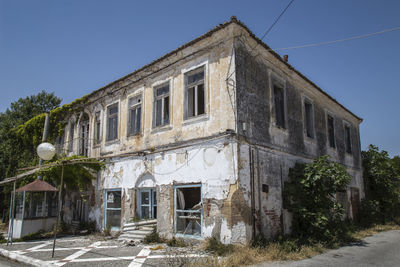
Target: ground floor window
[
  {"x": 147, "y": 203},
  {"x": 112, "y": 209},
  {"x": 188, "y": 210}
]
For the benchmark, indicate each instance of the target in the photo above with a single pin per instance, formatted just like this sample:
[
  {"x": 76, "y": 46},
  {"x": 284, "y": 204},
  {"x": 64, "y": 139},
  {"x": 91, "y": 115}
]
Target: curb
[{"x": 24, "y": 259}]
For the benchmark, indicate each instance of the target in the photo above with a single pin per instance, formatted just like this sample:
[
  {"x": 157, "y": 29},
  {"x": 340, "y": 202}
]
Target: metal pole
[
  {"x": 44, "y": 137},
  {"x": 59, "y": 209},
  {"x": 12, "y": 212},
  {"x": 9, "y": 218}
]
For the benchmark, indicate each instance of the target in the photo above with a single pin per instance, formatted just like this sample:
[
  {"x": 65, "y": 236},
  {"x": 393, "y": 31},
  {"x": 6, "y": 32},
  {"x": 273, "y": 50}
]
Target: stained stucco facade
[{"x": 215, "y": 165}]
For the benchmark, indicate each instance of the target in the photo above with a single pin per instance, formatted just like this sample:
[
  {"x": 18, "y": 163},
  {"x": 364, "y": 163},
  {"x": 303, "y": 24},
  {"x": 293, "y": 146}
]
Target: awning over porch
[{"x": 37, "y": 186}]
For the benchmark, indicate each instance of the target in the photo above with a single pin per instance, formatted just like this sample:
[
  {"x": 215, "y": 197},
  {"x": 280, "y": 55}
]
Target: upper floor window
[
  {"x": 347, "y": 138},
  {"x": 71, "y": 136},
  {"x": 194, "y": 93},
  {"x": 135, "y": 115},
  {"x": 112, "y": 122},
  {"x": 279, "y": 102},
  {"x": 309, "y": 118},
  {"x": 84, "y": 135},
  {"x": 331, "y": 131},
  {"x": 161, "y": 106},
  {"x": 97, "y": 128}
]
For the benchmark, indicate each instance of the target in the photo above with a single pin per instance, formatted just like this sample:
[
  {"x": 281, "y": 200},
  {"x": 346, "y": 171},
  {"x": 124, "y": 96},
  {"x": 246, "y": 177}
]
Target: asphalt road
[
  {"x": 382, "y": 249},
  {"x": 4, "y": 262}
]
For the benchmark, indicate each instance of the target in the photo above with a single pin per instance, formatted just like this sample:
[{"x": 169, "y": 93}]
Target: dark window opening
[
  {"x": 71, "y": 137},
  {"x": 309, "y": 119},
  {"x": 331, "y": 131},
  {"x": 347, "y": 139},
  {"x": 188, "y": 210},
  {"x": 97, "y": 129},
  {"x": 279, "y": 102}
]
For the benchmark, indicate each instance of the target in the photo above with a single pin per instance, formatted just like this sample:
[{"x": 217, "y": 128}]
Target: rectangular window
[
  {"x": 112, "y": 122},
  {"x": 188, "y": 209},
  {"x": 347, "y": 137},
  {"x": 112, "y": 212},
  {"x": 194, "y": 94},
  {"x": 331, "y": 131},
  {"x": 71, "y": 137},
  {"x": 97, "y": 129},
  {"x": 161, "y": 106},
  {"x": 135, "y": 115},
  {"x": 309, "y": 119},
  {"x": 279, "y": 102}
]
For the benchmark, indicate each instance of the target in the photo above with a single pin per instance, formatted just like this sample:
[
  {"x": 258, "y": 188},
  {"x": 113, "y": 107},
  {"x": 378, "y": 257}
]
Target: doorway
[
  {"x": 112, "y": 209},
  {"x": 147, "y": 207}
]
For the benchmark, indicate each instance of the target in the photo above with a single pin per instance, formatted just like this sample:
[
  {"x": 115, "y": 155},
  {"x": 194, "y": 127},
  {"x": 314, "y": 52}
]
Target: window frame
[
  {"x": 308, "y": 101},
  {"x": 161, "y": 97},
  {"x": 97, "y": 131},
  {"x": 71, "y": 136},
  {"x": 195, "y": 85},
  {"x": 135, "y": 107},
  {"x": 329, "y": 115},
  {"x": 347, "y": 138},
  {"x": 109, "y": 107},
  {"x": 281, "y": 87}
]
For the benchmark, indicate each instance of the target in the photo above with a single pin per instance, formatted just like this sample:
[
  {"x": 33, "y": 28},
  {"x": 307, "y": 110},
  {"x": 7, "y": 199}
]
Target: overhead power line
[
  {"x": 277, "y": 19},
  {"x": 339, "y": 40}
]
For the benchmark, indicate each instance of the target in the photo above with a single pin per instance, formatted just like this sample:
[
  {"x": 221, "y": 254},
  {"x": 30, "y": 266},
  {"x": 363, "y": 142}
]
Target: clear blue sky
[{"x": 74, "y": 47}]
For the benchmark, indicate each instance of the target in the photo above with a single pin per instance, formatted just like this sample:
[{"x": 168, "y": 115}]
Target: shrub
[
  {"x": 216, "y": 247},
  {"x": 153, "y": 237},
  {"x": 310, "y": 196},
  {"x": 176, "y": 242}
]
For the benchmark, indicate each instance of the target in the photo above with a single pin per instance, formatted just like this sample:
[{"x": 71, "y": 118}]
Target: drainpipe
[{"x": 253, "y": 210}]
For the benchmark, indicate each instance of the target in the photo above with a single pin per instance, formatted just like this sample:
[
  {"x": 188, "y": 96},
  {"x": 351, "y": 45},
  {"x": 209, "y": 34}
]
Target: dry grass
[{"x": 247, "y": 255}]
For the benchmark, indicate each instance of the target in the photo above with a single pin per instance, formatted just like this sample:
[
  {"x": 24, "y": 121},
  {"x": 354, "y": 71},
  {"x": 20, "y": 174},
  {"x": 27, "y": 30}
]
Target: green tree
[
  {"x": 310, "y": 195},
  {"x": 13, "y": 153},
  {"x": 382, "y": 179}
]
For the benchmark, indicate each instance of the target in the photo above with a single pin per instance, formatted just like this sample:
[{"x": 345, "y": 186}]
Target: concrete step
[
  {"x": 137, "y": 228},
  {"x": 139, "y": 232},
  {"x": 132, "y": 236},
  {"x": 140, "y": 223}
]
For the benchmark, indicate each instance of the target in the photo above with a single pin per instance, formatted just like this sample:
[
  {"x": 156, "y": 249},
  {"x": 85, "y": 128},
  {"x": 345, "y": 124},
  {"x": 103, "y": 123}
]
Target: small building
[
  {"x": 202, "y": 139},
  {"x": 35, "y": 209}
]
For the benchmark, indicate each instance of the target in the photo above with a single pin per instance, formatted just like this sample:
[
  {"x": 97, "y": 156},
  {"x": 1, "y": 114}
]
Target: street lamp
[{"x": 46, "y": 151}]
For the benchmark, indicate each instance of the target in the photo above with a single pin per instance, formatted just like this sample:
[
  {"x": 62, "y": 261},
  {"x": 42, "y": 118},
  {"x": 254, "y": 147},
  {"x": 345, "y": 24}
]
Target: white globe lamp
[{"x": 46, "y": 151}]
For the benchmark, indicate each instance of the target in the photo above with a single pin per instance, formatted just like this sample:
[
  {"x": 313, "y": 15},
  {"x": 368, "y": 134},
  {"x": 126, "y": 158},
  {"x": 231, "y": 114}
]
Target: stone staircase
[{"x": 136, "y": 231}]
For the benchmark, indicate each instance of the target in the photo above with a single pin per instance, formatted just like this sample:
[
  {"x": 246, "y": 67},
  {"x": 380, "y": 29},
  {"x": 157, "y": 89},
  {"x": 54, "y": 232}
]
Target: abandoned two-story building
[{"x": 202, "y": 139}]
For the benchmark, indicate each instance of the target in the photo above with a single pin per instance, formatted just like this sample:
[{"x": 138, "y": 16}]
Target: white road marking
[
  {"x": 33, "y": 248},
  {"x": 140, "y": 258},
  {"x": 77, "y": 254}
]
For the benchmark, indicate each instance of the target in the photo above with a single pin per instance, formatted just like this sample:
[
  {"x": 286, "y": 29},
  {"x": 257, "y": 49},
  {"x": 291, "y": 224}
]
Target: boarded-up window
[
  {"x": 309, "y": 118},
  {"x": 331, "y": 131},
  {"x": 279, "y": 102}
]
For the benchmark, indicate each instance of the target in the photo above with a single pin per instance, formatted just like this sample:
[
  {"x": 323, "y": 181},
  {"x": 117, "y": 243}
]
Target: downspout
[{"x": 253, "y": 212}]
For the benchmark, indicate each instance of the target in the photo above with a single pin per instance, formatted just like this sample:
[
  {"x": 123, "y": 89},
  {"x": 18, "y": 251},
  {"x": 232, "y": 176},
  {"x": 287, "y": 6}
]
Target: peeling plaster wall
[
  {"x": 276, "y": 150},
  {"x": 213, "y": 164}
]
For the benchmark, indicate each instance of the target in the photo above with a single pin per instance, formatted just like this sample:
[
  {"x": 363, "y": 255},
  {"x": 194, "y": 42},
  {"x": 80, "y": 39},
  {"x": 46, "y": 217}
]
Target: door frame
[
  {"x": 152, "y": 202},
  {"x": 113, "y": 228}
]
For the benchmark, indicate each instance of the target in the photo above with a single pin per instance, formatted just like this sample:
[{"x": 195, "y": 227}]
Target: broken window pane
[
  {"x": 200, "y": 99},
  {"x": 112, "y": 127},
  {"x": 161, "y": 109},
  {"x": 188, "y": 210},
  {"x": 135, "y": 113}
]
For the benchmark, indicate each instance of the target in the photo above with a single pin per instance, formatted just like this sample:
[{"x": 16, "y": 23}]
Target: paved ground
[
  {"x": 88, "y": 251},
  {"x": 4, "y": 262},
  {"x": 382, "y": 250}
]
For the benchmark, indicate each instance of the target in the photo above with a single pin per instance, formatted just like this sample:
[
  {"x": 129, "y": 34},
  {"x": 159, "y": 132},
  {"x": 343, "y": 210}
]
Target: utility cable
[{"x": 339, "y": 40}]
